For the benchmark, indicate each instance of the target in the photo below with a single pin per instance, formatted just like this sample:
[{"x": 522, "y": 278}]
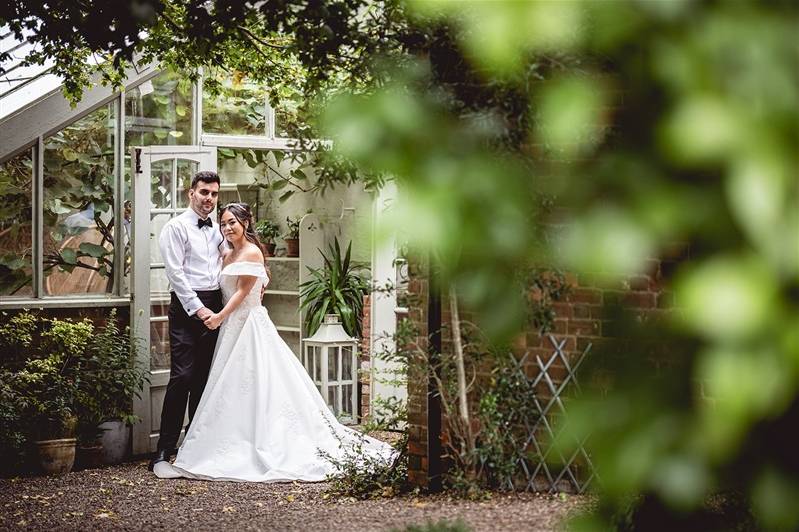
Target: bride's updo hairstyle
[{"x": 243, "y": 214}]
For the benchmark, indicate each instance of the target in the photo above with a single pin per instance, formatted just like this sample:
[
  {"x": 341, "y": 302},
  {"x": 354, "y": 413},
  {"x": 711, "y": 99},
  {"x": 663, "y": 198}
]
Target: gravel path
[{"x": 128, "y": 497}]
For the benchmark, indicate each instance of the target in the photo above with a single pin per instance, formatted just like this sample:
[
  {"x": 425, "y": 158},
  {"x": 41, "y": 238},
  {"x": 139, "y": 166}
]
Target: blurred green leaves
[{"x": 662, "y": 130}]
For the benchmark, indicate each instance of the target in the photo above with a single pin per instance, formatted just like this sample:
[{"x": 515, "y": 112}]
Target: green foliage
[
  {"x": 12, "y": 416},
  {"x": 485, "y": 455},
  {"x": 110, "y": 379},
  {"x": 267, "y": 230},
  {"x": 360, "y": 474},
  {"x": 337, "y": 288},
  {"x": 57, "y": 370},
  {"x": 293, "y": 226}
]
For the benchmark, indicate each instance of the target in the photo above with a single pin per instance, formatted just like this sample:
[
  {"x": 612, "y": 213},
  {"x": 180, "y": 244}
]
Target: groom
[{"x": 189, "y": 245}]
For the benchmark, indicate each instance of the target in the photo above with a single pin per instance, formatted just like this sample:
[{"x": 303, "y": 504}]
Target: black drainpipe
[{"x": 434, "y": 460}]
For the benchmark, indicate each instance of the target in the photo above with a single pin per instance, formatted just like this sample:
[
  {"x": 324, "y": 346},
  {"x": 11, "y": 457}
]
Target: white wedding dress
[{"x": 261, "y": 418}]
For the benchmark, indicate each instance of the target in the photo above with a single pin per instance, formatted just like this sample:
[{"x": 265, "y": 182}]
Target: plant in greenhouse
[
  {"x": 337, "y": 288},
  {"x": 268, "y": 230}
]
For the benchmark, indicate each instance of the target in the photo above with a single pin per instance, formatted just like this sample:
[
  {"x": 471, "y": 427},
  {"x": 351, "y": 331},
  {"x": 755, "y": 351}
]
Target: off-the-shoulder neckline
[{"x": 243, "y": 262}]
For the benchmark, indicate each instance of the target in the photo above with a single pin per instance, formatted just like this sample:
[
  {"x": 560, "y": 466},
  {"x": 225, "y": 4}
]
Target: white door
[{"x": 161, "y": 179}]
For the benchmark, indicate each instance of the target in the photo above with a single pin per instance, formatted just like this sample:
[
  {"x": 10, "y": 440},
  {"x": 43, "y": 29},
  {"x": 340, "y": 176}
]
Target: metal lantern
[{"x": 329, "y": 357}]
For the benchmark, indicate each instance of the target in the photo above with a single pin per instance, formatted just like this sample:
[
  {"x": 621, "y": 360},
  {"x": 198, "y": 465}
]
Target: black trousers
[{"x": 191, "y": 347}]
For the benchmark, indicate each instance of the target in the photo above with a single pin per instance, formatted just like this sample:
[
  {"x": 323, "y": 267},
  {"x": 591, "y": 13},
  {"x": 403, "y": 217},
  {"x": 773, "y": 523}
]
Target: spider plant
[{"x": 337, "y": 288}]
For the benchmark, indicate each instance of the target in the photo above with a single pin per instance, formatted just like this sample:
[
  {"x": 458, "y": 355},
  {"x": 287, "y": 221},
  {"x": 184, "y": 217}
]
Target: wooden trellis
[{"x": 540, "y": 465}]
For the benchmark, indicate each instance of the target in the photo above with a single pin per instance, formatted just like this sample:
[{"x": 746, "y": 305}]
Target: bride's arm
[{"x": 243, "y": 287}]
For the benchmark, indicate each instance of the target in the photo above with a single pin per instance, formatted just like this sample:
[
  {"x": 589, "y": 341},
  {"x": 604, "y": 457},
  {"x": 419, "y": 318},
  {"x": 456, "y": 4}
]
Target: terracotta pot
[
  {"x": 292, "y": 247},
  {"x": 89, "y": 456},
  {"x": 56, "y": 457},
  {"x": 270, "y": 249},
  {"x": 116, "y": 441}
]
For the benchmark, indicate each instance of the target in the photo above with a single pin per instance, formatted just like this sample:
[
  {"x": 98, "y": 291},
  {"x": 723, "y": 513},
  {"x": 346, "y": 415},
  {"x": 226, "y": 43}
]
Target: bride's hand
[{"x": 213, "y": 321}]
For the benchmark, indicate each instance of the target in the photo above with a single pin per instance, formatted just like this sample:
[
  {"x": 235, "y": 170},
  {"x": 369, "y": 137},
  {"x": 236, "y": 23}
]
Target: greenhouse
[{"x": 85, "y": 191}]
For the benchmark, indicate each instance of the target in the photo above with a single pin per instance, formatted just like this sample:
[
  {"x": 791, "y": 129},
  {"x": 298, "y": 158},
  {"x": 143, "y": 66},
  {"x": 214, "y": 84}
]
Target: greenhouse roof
[
  {"x": 22, "y": 85},
  {"x": 31, "y": 102}
]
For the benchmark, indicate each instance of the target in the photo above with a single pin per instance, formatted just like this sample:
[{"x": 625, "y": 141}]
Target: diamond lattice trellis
[{"x": 540, "y": 465}]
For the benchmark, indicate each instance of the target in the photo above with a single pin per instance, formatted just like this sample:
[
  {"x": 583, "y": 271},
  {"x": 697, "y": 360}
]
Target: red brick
[
  {"x": 638, "y": 300},
  {"x": 533, "y": 339},
  {"x": 591, "y": 296},
  {"x": 584, "y": 327},
  {"x": 560, "y": 326},
  {"x": 640, "y": 282},
  {"x": 562, "y": 309},
  {"x": 417, "y": 448}
]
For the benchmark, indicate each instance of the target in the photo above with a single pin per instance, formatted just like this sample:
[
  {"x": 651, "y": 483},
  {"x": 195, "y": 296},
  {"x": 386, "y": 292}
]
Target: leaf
[
  {"x": 69, "y": 154},
  {"x": 57, "y": 208},
  {"x": 93, "y": 250},
  {"x": 176, "y": 134},
  {"x": 280, "y": 184},
  {"x": 69, "y": 256},
  {"x": 285, "y": 196},
  {"x": 298, "y": 174},
  {"x": 181, "y": 110},
  {"x": 250, "y": 158},
  {"x": 279, "y": 156}
]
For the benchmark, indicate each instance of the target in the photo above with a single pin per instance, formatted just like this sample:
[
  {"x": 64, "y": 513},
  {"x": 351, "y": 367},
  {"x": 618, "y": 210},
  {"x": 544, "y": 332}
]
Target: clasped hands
[{"x": 212, "y": 320}]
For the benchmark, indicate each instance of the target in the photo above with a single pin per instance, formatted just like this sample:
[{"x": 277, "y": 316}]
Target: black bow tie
[{"x": 202, "y": 223}]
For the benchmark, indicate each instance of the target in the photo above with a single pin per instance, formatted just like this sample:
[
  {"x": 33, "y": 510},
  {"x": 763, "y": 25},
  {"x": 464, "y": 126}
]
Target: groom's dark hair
[{"x": 206, "y": 177}]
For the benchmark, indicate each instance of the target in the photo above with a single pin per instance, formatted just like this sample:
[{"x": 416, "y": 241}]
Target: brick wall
[
  {"x": 417, "y": 297},
  {"x": 580, "y": 320},
  {"x": 365, "y": 358}
]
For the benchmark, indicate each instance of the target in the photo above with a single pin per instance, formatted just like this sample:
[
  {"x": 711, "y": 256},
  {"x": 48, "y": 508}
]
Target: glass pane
[
  {"x": 157, "y": 223},
  {"x": 159, "y": 339},
  {"x": 311, "y": 360},
  {"x": 78, "y": 206},
  {"x": 159, "y": 111},
  {"x": 346, "y": 364},
  {"x": 16, "y": 257},
  {"x": 127, "y": 228},
  {"x": 317, "y": 366},
  {"x": 186, "y": 171},
  {"x": 332, "y": 398},
  {"x": 233, "y": 105},
  {"x": 346, "y": 399},
  {"x": 158, "y": 281},
  {"x": 161, "y": 184},
  {"x": 333, "y": 356},
  {"x": 287, "y": 113}
]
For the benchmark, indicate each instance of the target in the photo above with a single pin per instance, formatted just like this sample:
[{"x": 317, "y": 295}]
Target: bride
[{"x": 261, "y": 418}]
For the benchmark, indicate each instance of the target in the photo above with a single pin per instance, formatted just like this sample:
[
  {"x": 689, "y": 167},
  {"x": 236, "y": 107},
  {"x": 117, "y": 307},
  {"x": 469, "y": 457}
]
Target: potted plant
[
  {"x": 268, "y": 231},
  {"x": 105, "y": 399},
  {"x": 44, "y": 374},
  {"x": 337, "y": 288},
  {"x": 292, "y": 238}
]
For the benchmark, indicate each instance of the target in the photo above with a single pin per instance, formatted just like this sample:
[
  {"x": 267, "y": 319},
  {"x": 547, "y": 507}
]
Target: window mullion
[
  {"x": 119, "y": 194},
  {"x": 37, "y": 213},
  {"x": 197, "y": 102}
]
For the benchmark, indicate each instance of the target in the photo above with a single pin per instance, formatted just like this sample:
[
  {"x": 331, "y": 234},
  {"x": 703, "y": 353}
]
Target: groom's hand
[
  {"x": 213, "y": 321},
  {"x": 203, "y": 313}
]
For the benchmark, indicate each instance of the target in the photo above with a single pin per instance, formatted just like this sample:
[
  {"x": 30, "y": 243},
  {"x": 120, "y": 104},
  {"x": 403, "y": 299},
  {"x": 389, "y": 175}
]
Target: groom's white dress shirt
[{"x": 191, "y": 258}]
